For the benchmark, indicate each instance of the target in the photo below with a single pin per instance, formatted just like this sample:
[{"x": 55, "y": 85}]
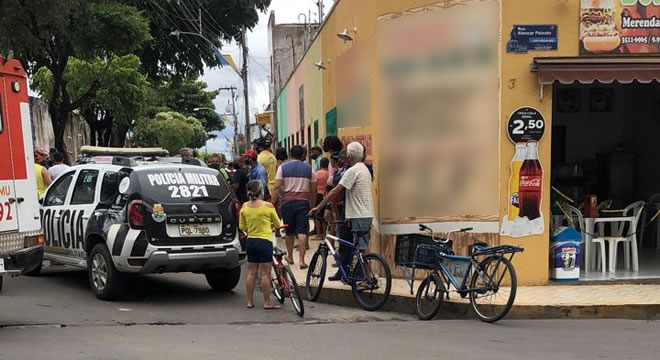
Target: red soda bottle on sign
[{"x": 531, "y": 183}]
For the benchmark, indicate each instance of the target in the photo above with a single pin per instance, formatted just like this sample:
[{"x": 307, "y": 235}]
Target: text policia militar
[{"x": 177, "y": 178}]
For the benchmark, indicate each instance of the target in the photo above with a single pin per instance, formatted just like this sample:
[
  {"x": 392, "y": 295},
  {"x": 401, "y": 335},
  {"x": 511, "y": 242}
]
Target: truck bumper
[
  {"x": 22, "y": 261},
  {"x": 164, "y": 261}
]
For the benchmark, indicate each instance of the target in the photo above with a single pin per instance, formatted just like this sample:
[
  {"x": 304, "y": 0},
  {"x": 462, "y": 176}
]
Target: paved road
[{"x": 176, "y": 316}]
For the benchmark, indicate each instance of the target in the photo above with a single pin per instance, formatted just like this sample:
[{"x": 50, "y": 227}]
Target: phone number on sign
[{"x": 638, "y": 39}]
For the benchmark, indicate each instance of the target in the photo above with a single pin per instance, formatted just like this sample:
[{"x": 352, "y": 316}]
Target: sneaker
[{"x": 335, "y": 277}]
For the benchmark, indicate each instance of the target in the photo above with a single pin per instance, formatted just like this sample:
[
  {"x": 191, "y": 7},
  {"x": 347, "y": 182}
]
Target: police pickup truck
[{"x": 117, "y": 215}]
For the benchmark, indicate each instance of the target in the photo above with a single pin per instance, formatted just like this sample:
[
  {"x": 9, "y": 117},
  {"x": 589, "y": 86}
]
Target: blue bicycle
[
  {"x": 368, "y": 274},
  {"x": 486, "y": 276}
]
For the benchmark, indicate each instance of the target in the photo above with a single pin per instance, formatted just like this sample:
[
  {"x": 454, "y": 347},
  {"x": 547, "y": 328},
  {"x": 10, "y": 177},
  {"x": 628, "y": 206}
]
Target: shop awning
[{"x": 586, "y": 70}]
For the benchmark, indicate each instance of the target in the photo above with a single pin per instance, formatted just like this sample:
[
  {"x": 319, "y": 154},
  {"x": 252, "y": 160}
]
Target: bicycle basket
[{"x": 415, "y": 250}]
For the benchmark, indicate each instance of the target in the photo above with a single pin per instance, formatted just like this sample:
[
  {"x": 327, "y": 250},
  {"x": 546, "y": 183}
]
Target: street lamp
[
  {"x": 202, "y": 108},
  {"x": 178, "y": 32}
]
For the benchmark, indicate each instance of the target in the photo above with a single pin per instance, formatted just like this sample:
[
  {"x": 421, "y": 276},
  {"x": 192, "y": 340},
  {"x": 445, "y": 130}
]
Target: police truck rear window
[{"x": 176, "y": 186}]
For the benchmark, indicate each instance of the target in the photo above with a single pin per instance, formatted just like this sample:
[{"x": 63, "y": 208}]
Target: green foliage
[
  {"x": 184, "y": 96},
  {"x": 186, "y": 56},
  {"x": 170, "y": 130},
  {"x": 120, "y": 98}
]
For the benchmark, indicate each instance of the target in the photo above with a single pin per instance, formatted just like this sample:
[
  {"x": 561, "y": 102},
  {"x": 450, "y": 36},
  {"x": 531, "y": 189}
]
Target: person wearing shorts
[
  {"x": 359, "y": 210},
  {"x": 295, "y": 182},
  {"x": 257, "y": 219}
]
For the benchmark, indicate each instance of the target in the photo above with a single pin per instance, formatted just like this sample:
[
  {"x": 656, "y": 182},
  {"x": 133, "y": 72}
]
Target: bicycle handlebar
[{"x": 423, "y": 227}]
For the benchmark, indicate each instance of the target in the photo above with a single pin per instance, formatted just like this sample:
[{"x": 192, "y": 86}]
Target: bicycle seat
[{"x": 278, "y": 252}]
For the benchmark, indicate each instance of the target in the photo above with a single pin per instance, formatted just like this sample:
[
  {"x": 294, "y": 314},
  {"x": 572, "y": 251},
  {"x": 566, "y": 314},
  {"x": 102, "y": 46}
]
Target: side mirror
[{"x": 41, "y": 201}]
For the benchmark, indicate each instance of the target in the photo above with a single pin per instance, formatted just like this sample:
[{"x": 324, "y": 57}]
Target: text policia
[{"x": 184, "y": 184}]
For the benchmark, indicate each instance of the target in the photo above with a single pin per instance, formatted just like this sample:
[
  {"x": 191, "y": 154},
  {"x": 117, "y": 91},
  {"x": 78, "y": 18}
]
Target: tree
[
  {"x": 184, "y": 96},
  {"x": 119, "y": 100},
  {"x": 168, "y": 56},
  {"x": 84, "y": 29},
  {"x": 170, "y": 130}
]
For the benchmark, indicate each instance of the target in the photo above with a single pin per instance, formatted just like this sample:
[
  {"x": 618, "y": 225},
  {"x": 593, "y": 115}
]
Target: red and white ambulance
[{"x": 21, "y": 238}]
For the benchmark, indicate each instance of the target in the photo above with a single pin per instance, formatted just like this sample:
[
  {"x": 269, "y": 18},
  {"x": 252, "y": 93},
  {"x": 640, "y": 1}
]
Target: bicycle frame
[
  {"x": 279, "y": 266},
  {"x": 346, "y": 274},
  {"x": 473, "y": 265}
]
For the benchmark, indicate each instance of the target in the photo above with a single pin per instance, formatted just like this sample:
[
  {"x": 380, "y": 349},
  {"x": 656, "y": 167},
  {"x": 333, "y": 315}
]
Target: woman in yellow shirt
[{"x": 257, "y": 219}]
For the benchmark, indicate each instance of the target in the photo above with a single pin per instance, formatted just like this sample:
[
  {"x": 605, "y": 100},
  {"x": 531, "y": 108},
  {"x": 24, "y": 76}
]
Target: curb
[{"x": 456, "y": 310}]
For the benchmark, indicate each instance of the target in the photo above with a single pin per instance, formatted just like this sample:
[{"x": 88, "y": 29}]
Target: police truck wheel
[
  {"x": 106, "y": 282},
  {"x": 223, "y": 279}
]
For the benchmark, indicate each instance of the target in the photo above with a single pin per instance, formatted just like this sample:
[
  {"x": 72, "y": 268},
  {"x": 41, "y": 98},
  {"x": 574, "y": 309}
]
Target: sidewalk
[{"x": 627, "y": 301}]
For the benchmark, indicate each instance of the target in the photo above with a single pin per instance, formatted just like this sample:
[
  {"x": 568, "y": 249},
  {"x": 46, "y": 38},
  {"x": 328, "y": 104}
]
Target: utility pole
[
  {"x": 233, "y": 110},
  {"x": 244, "y": 75},
  {"x": 319, "y": 3}
]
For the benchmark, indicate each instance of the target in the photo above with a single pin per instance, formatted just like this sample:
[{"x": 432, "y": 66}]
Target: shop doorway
[{"x": 606, "y": 143}]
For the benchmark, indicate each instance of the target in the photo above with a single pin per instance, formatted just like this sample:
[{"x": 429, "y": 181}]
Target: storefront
[{"x": 441, "y": 91}]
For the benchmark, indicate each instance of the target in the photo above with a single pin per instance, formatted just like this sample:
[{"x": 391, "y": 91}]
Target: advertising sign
[
  {"x": 525, "y": 128},
  {"x": 525, "y": 38},
  {"x": 614, "y": 27}
]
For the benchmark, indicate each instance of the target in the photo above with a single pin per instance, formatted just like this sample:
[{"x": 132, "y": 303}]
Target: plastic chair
[
  {"x": 649, "y": 211},
  {"x": 576, "y": 216},
  {"x": 630, "y": 239}
]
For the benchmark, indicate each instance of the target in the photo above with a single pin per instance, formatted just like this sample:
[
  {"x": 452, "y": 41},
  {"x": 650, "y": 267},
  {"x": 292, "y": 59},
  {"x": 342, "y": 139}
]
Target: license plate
[
  {"x": 194, "y": 230},
  {"x": 2, "y": 265}
]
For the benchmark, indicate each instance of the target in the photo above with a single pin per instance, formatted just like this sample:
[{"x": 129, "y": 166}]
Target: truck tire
[
  {"x": 223, "y": 279},
  {"x": 106, "y": 282}
]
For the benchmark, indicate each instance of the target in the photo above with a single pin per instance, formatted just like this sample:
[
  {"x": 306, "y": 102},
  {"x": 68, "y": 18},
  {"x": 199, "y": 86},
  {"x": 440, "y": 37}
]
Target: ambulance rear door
[{"x": 8, "y": 214}]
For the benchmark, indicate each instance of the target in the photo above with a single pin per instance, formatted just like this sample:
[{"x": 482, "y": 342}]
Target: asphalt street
[{"x": 177, "y": 316}]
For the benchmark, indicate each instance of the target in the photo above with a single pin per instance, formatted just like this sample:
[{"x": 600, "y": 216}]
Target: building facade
[{"x": 440, "y": 93}]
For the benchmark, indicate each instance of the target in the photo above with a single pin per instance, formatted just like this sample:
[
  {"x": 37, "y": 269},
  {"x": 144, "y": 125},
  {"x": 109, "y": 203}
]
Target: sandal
[
  {"x": 303, "y": 266},
  {"x": 249, "y": 306},
  {"x": 289, "y": 260},
  {"x": 272, "y": 307}
]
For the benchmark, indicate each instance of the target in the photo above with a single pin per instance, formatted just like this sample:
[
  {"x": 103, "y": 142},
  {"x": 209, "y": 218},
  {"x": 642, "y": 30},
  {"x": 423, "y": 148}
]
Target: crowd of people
[{"x": 294, "y": 186}]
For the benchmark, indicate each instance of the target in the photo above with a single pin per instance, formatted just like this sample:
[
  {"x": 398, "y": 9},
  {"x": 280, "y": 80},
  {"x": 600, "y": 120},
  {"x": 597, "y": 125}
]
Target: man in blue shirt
[{"x": 257, "y": 172}]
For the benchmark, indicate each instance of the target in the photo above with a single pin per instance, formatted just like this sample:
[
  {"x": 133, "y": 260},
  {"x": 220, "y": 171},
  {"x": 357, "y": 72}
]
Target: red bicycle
[{"x": 284, "y": 283}]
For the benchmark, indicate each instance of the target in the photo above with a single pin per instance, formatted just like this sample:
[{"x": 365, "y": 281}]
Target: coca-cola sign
[
  {"x": 530, "y": 182},
  {"x": 526, "y": 124}
]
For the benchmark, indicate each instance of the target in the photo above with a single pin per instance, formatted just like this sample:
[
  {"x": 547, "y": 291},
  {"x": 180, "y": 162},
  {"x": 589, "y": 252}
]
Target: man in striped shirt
[{"x": 296, "y": 184}]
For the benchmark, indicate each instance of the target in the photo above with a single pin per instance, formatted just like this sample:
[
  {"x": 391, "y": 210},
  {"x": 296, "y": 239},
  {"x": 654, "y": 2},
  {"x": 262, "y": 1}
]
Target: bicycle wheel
[
  {"x": 372, "y": 292},
  {"x": 275, "y": 282},
  {"x": 294, "y": 292},
  {"x": 429, "y": 297},
  {"x": 316, "y": 274},
  {"x": 494, "y": 288}
]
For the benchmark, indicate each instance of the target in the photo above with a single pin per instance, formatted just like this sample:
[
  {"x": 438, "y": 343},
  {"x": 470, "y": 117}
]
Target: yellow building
[{"x": 438, "y": 90}]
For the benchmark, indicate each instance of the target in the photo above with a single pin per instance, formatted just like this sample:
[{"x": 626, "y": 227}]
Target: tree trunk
[
  {"x": 119, "y": 136},
  {"x": 59, "y": 120}
]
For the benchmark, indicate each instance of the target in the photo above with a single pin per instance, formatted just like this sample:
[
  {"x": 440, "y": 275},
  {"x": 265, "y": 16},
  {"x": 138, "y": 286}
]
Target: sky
[{"x": 286, "y": 11}]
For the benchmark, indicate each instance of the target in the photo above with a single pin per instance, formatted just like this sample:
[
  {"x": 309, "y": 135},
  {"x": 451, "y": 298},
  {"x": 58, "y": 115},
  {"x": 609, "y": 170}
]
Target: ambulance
[{"x": 21, "y": 240}]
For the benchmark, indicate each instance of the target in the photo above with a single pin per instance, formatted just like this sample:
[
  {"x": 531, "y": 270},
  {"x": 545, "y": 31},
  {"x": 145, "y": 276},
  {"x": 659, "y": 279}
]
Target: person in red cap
[{"x": 257, "y": 171}]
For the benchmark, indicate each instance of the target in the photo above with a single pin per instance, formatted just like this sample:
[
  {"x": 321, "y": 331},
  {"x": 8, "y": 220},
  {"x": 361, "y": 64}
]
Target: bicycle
[
  {"x": 284, "y": 283},
  {"x": 491, "y": 279},
  {"x": 368, "y": 274}
]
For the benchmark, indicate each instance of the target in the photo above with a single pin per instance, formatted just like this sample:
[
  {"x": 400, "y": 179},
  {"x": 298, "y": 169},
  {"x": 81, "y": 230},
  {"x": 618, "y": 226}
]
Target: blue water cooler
[{"x": 565, "y": 249}]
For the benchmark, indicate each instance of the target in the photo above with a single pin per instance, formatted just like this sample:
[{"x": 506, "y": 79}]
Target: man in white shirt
[
  {"x": 359, "y": 202},
  {"x": 59, "y": 168}
]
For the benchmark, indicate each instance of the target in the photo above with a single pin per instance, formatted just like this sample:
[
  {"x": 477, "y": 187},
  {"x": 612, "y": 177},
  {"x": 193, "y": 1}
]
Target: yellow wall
[{"x": 532, "y": 265}]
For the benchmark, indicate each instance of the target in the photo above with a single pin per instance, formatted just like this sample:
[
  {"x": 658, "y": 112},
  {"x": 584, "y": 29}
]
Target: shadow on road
[{"x": 165, "y": 289}]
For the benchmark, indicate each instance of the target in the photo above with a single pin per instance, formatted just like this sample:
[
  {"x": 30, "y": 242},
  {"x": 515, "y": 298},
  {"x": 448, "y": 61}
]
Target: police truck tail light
[{"x": 136, "y": 214}]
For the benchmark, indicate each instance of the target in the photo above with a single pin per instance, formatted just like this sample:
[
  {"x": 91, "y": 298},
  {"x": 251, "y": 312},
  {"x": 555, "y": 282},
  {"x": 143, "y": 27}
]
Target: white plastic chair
[
  {"x": 630, "y": 239},
  {"x": 576, "y": 220},
  {"x": 649, "y": 211}
]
